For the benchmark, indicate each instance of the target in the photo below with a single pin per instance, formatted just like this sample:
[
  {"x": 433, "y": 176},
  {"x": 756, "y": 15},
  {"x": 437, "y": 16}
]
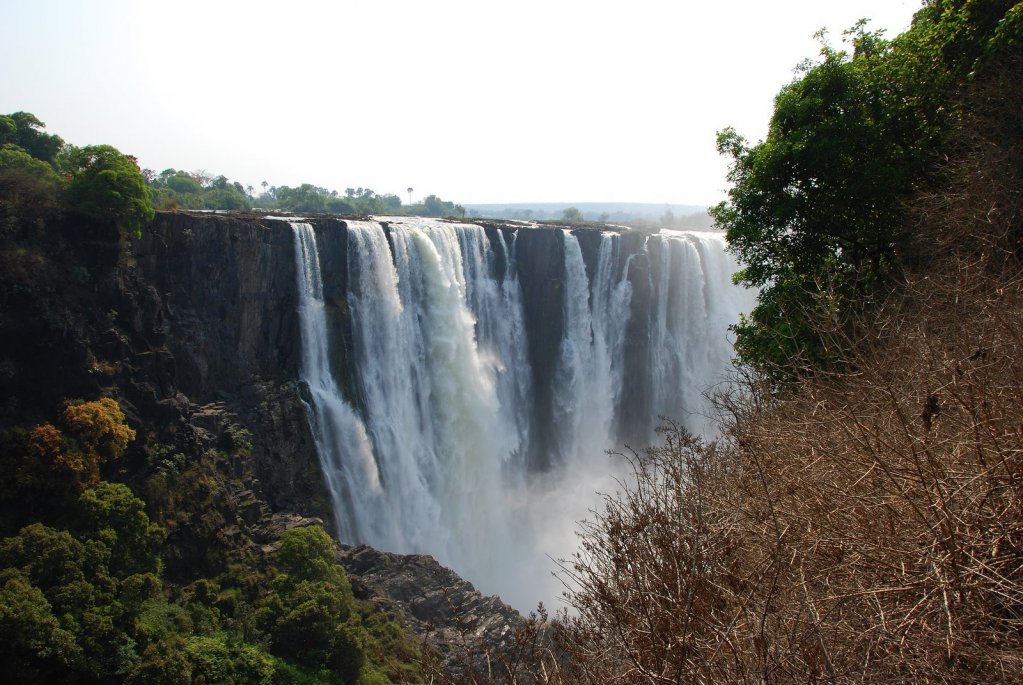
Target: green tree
[
  {"x": 313, "y": 615},
  {"x": 181, "y": 182},
  {"x": 816, "y": 211},
  {"x": 572, "y": 215},
  {"x": 112, "y": 514},
  {"x": 58, "y": 564},
  {"x": 308, "y": 553},
  {"x": 108, "y": 186},
  {"x": 26, "y": 132},
  {"x": 33, "y": 645},
  {"x": 304, "y": 198},
  {"x": 29, "y": 187},
  {"x": 227, "y": 198},
  {"x": 163, "y": 663},
  {"x": 390, "y": 202},
  {"x": 337, "y": 205},
  {"x": 434, "y": 206}
]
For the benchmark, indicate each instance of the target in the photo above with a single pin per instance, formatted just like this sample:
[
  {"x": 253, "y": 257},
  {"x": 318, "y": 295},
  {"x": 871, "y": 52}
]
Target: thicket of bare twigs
[{"x": 866, "y": 526}]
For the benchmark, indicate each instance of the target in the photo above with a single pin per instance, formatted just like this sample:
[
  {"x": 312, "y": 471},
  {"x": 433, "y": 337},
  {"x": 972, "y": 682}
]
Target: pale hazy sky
[{"x": 475, "y": 101}]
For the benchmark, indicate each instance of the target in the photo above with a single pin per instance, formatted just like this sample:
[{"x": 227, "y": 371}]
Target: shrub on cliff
[{"x": 311, "y": 611}]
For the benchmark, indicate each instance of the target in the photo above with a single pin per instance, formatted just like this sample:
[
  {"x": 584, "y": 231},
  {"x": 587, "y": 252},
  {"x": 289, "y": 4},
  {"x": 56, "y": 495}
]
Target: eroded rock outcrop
[{"x": 465, "y": 627}]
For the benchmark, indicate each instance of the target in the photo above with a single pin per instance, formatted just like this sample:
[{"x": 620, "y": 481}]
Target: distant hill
[{"x": 592, "y": 211}]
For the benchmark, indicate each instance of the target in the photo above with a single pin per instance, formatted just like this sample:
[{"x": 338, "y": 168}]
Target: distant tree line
[
  {"x": 178, "y": 189},
  {"x": 354, "y": 201},
  {"x": 174, "y": 189},
  {"x": 640, "y": 219}
]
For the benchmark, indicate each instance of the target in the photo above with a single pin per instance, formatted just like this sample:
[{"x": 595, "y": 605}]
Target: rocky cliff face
[
  {"x": 462, "y": 625},
  {"x": 228, "y": 287},
  {"x": 227, "y": 284}
]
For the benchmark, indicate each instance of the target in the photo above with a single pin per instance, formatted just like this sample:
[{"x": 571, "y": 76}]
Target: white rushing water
[{"x": 431, "y": 455}]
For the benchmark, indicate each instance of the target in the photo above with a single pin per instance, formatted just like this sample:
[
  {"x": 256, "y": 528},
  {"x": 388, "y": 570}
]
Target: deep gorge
[{"x": 457, "y": 384}]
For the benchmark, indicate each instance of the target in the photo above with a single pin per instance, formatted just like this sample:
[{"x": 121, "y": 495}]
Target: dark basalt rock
[
  {"x": 465, "y": 627},
  {"x": 229, "y": 310},
  {"x": 540, "y": 259},
  {"x": 228, "y": 288}
]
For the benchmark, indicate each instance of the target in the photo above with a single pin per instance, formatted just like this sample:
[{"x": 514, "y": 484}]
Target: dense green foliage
[
  {"x": 817, "y": 212},
  {"x": 25, "y": 131},
  {"x": 86, "y": 595},
  {"x": 108, "y": 186},
  {"x": 41, "y": 175},
  {"x": 29, "y": 185}
]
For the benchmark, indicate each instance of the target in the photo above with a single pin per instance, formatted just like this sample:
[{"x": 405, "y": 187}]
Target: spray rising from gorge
[{"x": 458, "y": 435}]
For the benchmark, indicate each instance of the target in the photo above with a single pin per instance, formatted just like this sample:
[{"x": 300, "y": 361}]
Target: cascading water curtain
[{"x": 436, "y": 461}]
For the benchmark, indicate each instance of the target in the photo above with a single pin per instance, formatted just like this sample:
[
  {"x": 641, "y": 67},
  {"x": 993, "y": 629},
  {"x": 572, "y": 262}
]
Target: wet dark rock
[{"x": 540, "y": 259}]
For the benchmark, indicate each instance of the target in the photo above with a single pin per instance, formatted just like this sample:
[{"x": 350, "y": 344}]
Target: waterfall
[
  {"x": 588, "y": 378},
  {"x": 434, "y": 458},
  {"x": 345, "y": 453}
]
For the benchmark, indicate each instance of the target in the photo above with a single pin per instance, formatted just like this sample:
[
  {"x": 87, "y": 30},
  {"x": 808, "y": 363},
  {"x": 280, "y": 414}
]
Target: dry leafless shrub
[{"x": 866, "y": 526}]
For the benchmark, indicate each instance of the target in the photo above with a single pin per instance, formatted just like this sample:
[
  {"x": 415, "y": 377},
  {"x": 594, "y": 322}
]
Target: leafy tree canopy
[
  {"x": 28, "y": 186},
  {"x": 815, "y": 214},
  {"x": 33, "y": 645},
  {"x": 26, "y": 132},
  {"x": 107, "y": 185},
  {"x": 111, "y": 513}
]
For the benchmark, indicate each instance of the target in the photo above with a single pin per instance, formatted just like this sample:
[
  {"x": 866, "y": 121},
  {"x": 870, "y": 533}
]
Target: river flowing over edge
[{"x": 434, "y": 451}]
